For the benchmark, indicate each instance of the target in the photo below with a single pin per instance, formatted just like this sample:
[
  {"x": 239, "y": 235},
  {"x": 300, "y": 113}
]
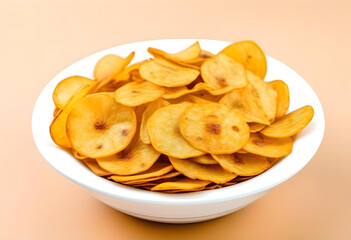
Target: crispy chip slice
[
  {"x": 193, "y": 170},
  {"x": 185, "y": 55},
  {"x": 269, "y": 147},
  {"x": 283, "y": 99},
  {"x": 137, "y": 93},
  {"x": 136, "y": 158},
  {"x": 214, "y": 128},
  {"x": 158, "y": 169},
  {"x": 290, "y": 124},
  {"x": 163, "y": 130},
  {"x": 166, "y": 177},
  {"x": 165, "y": 73},
  {"x": 242, "y": 164},
  {"x": 248, "y": 103},
  {"x": 181, "y": 184},
  {"x": 151, "y": 108},
  {"x": 95, "y": 168},
  {"x": 223, "y": 72},
  {"x": 108, "y": 68},
  {"x": 205, "y": 159},
  {"x": 58, "y": 125},
  {"x": 98, "y": 126},
  {"x": 265, "y": 93},
  {"x": 56, "y": 111},
  {"x": 256, "y": 127},
  {"x": 250, "y": 55},
  {"x": 67, "y": 88},
  {"x": 172, "y": 93},
  {"x": 77, "y": 155},
  {"x": 274, "y": 161}
]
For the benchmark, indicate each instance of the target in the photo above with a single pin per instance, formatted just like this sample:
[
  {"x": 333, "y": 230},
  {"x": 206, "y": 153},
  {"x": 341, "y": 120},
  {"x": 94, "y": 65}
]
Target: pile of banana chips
[{"x": 178, "y": 122}]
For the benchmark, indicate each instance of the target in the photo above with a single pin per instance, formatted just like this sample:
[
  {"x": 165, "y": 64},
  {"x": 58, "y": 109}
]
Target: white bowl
[{"x": 187, "y": 207}]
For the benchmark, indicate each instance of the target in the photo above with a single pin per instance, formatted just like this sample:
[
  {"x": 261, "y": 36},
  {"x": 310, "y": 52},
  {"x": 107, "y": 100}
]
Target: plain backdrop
[{"x": 40, "y": 38}]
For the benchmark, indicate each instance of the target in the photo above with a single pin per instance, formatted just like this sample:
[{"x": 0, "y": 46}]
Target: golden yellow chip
[
  {"x": 283, "y": 99},
  {"x": 151, "y": 108},
  {"x": 274, "y": 161},
  {"x": 136, "y": 158},
  {"x": 214, "y": 128},
  {"x": 246, "y": 100},
  {"x": 290, "y": 124},
  {"x": 256, "y": 127},
  {"x": 193, "y": 170},
  {"x": 172, "y": 93},
  {"x": 58, "y": 125},
  {"x": 165, "y": 73},
  {"x": 269, "y": 147},
  {"x": 250, "y": 55},
  {"x": 137, "y": 93},
  {"x": 99, "y": 127},
  {"x": 163, "y": 130},
  {"x": 95, "y": 168},
  {"x": 108, "y": 68},
  {"x": 77, "y": 155},
  {"x": 204, "y": 159},
  {"x": 185, "y": 55},
  {"x": 181, "y": 184},
  {"x": 158, "y": 169},
  {"x": 223, "y": 72},
  {"x": 67, "y": 88},
  {"x": 265, "y": 93},
  {"x": 166, "y": 177},
  {"x": 56, "y": 111},
  {"x": 242, "y": 164}
]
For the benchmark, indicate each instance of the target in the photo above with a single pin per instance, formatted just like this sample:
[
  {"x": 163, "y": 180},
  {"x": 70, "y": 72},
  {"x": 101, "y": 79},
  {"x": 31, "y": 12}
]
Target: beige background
[{"x": 38, "y": 39}]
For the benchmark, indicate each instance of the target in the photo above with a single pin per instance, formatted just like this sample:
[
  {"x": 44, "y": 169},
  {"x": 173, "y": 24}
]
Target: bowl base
[{"x": 183, "y": 220}]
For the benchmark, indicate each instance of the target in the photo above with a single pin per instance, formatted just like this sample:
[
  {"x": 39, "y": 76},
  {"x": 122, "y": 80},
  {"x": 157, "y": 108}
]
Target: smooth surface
[
  {"x": 40, "y": 39},
  {"x": 182, "y": 208}
]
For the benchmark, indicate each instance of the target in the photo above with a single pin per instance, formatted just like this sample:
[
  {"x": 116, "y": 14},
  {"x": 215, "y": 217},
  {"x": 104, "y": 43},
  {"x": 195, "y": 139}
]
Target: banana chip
[
  {"x": 250, "y": 55},
  {"x": 58, "y": 125},
  {"x": 163, "y": 130},
  {"x": 223, "y": 72},
  {"x": 243, "y": 164},
  {"x": 95, "y": 168},
  {"x": 67, "y": 88},
  {"x": 136, "y": 158},
  {"x": 283, "y": 99},
  {"x": 158, "y": 169},
  {"x": 182, "y": 184},
  {"x": 269, "y": 147},
  {"x": 205, "y": 159},
  {"x": 256, "y": 127},
  {"x": 185, "y": 55},
  {"x": 168, "y": 74},
  {"x": 137, "y": 93},
  {"x": 107, "y": 67},
  {"x": 151, "y": 108},
  {"x": 166, "y": 177},
  {"x": 193, "y": 170},
  {"x": 127, "y": 73},
  {"x": 246, "y": 100},
  {"x": 290, "y": 124},
  {"x": 214, "y": 128},
  {"x": 98, "y": 126},
  {"x": 265, "y": 94}
]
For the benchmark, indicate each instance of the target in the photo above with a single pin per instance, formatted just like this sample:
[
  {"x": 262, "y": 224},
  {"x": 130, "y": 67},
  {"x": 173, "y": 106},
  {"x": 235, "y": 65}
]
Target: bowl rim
[{"x": 269, "y": 179}]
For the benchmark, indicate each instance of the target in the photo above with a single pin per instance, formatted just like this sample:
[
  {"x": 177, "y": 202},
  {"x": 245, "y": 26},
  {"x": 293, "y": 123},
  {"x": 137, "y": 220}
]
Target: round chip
[
  {"x": 137, "y": 93},
  {"x": 67, "y": 88},
  {"x": 269, "y": 147},
  {"x": 98, "y": 126},
  {"x": 168, "y": 74},
  {"x": 214, "y": 128},
  {"x": 151, "y": 108},
  {"x": 205, "y": 159},
  {"x": 283, "y": 99},
  {"x": 107, "y": 67},
  {"x": 181, "y": 184},
  {"x": 136, "y": 158},
  {"x": 163, "y": 130},
  {"x": 194, "y": 170},
  {"x": 250, "y": 55},
  {"x": 290, "y": 124},
  {"x": 243, "y": 164},
  {"x": 223, "y": 72}
]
